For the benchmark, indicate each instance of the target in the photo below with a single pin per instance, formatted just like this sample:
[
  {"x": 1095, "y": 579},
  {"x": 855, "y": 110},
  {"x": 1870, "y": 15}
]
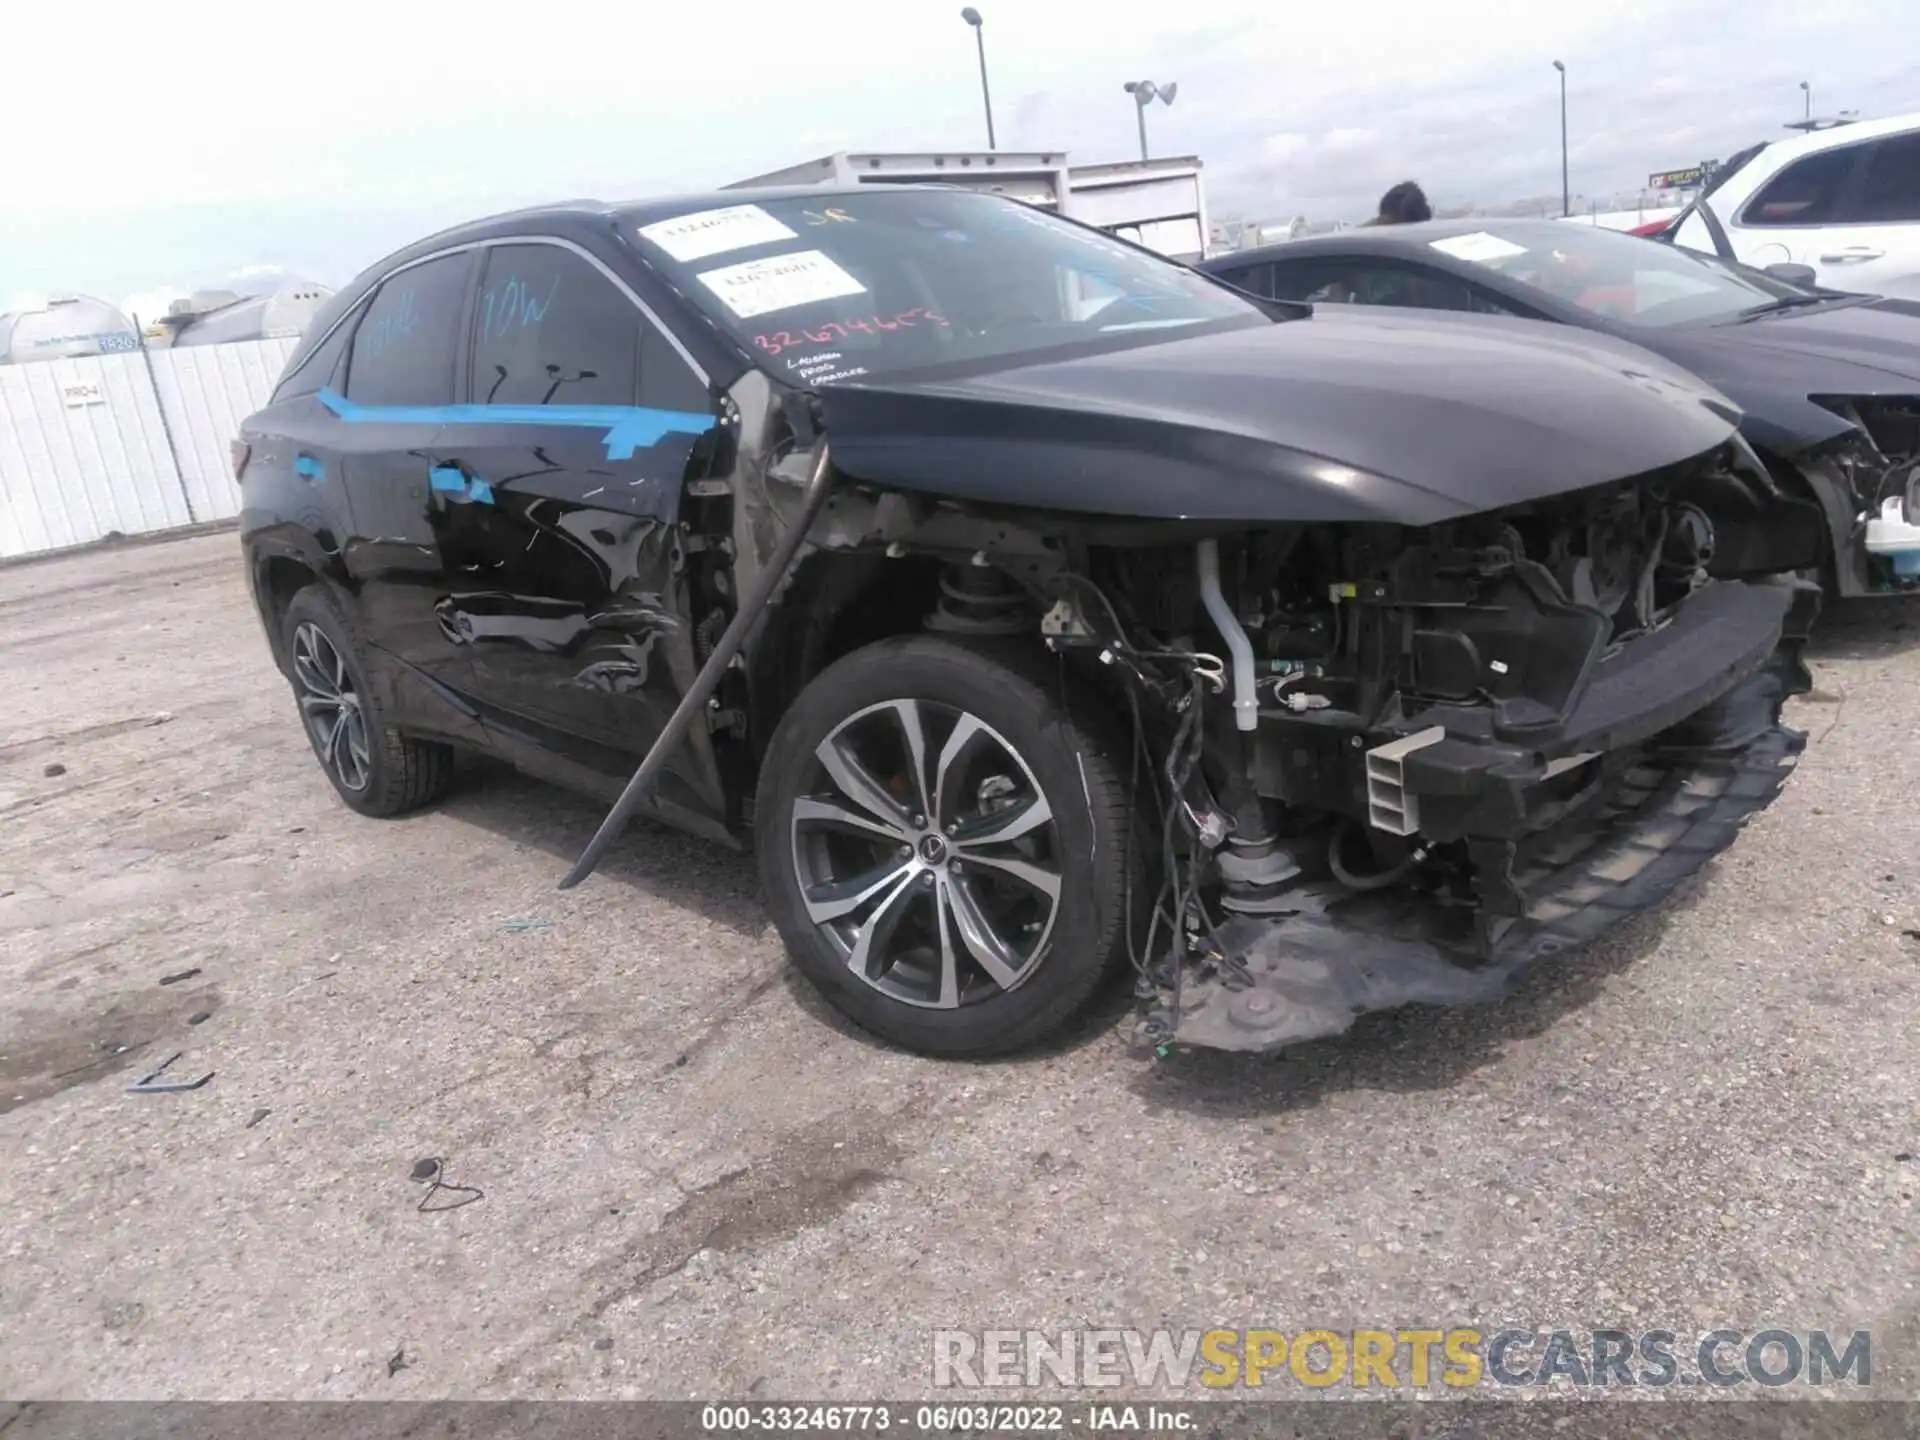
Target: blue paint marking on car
[
  {"x": 451, "y": 480},
  {"x": 306, "y": 465},
  {"x": 628, "y": 427}
]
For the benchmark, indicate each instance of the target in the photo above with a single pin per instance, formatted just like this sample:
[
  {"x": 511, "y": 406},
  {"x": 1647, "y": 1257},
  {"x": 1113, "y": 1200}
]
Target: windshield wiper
[{"x": 1787, "y": 302}]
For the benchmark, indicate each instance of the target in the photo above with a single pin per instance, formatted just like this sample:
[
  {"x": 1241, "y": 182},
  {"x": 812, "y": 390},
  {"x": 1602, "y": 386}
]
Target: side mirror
[{"x": 1795, "y": 274}]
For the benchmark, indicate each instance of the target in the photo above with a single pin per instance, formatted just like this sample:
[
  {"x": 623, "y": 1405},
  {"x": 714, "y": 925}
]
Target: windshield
[
  {"x": 1622, "y": 277},
  {"x": 837, "y": 286}
]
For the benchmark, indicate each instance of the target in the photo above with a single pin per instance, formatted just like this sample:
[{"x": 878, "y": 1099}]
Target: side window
[
  {"x": 1485, "y": 302},
  {"x": 549, "y": 328},
  {"x": 404, "y": 347},
  {"x": 1371, "y": 282},
  {"x": 1889, "y": 185},
  {"x": 1326, "y": 279},
  {"x": 666, "y": 381},
  {"x": 1804, "y": 193},
  {"x": 1255, "y": 279},
  {"x": 1414, "y": 287},
  {"x": 316, "y": 372}
]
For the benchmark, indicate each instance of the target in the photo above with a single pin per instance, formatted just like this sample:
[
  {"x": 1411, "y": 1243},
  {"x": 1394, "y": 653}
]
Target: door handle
[{"x": 1853, "y": 252}]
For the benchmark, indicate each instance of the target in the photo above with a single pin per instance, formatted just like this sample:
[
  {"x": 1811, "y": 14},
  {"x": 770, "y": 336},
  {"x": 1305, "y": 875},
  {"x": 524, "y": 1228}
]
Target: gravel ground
[{"x": 696, "y": 1181}]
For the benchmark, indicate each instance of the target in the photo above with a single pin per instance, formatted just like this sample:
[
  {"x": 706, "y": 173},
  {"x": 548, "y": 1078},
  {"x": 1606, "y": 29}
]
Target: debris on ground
[
  {"x": 179, "y": 975},
  {"x": 430, "y": 1171},
  {"x": 313, "y": 979},
  {"x": 152, "y": 1084},
  {"x": 56, "y": 768},
  {"x": 605, "y": 1342},
  {"x": 257, "y": 1116},
  {"x": 199, "y": 1017},
  {"x": 521, "y": 926},
  {"x": 397, "y": 1362}
]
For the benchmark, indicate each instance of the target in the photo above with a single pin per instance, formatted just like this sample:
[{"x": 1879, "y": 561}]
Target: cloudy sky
[{"x": 162, "y": 147}]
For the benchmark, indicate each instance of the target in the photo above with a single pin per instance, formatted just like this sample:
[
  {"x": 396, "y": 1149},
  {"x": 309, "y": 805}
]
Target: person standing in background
[{"x": 1405, "y": 204}]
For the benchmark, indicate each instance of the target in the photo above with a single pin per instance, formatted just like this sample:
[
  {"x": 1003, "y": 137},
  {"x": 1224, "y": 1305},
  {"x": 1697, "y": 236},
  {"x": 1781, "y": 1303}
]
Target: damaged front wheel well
[{"x": 840, "y": 602}]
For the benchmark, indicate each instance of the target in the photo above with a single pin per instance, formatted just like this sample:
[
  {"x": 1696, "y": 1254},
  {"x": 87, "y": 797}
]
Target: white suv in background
[{"x": 1844, "y": 202}]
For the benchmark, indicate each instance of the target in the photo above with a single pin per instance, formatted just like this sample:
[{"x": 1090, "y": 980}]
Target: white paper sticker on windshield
[
  {"x": 779, "y": 283},
  {"x": 1479, "y": 248},
  {"x": 714, "y": 232}
]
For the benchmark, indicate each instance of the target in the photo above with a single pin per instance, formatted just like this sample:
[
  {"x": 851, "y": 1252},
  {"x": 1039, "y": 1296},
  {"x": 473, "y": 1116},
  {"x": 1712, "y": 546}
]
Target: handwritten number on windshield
[{"x": 782, "y": 340}]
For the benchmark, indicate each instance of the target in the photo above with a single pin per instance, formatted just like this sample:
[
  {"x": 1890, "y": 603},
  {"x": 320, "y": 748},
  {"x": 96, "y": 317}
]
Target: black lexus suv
[{"x": 1039, "y": 605}]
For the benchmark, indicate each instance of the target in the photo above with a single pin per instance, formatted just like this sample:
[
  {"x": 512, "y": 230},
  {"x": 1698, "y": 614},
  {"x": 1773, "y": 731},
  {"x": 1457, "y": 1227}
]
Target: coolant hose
[{"x": 1246, "y": 704}]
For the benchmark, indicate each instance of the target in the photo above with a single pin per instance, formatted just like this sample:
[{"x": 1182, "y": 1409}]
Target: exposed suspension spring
[{"x": 978, "y": 601}]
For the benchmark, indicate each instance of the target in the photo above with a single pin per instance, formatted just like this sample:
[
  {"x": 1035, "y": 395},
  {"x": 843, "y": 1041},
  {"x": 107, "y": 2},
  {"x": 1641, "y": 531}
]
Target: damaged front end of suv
[
  {"x": 1077, "y": 608},
  {"x": 1381, "y": 763},
  {"x": 1424, "y": 758}
]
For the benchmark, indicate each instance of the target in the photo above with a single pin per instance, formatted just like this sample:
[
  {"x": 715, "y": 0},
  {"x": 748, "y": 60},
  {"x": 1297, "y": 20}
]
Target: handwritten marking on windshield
[{"x": 782, "y": 340}]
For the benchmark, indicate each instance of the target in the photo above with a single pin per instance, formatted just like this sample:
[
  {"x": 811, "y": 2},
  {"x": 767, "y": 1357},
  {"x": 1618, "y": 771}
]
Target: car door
[
  {"x": 556, "y": 502},
  {"x": 1851, "y": 213},
  {"x": 399, "y": 384},
  {"x": 1874, "y": 244}
]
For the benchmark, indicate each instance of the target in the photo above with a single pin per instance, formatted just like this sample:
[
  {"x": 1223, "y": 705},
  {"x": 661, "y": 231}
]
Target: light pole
[
  {"x": 1807, "y": 89},
  {"x": 1144, "y": 92},
  {"x": 1566, "y": 193},
  {"x": 972, "y": 17}
]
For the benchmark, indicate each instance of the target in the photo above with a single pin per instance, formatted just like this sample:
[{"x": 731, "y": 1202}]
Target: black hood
[
  {"x": 1771, "y": 365},
  {"x": 1399, "y": 416}
]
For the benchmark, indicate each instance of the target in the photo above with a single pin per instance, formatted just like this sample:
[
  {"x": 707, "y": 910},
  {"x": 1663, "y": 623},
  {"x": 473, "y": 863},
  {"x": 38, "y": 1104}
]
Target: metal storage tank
[
  {"x": 66, "y": 326},
  {"x": 221, "y": 317}
]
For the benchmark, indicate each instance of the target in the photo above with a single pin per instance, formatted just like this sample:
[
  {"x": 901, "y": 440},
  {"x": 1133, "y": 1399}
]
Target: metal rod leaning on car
[{"x": 771, "y": 577}]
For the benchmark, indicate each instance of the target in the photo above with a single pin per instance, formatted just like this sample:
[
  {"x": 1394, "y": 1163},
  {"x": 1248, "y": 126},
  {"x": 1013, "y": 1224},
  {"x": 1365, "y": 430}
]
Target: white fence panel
[
  {"x": 125, "y": 443},
  {"x": 83, "y": 453},
  {"x": 206, "y": 391}
]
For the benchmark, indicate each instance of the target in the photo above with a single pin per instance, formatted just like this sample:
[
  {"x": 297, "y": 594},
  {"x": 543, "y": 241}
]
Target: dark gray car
[{"x": 1830, "y": 382}]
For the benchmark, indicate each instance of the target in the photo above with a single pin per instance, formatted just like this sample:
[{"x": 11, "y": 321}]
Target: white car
[{"x": 1844, "y": 202}]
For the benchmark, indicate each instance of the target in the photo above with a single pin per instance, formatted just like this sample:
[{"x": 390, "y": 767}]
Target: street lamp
[
  {"x": 1144, "y": 92},
  {"x": 972, "y": 17},
  {"x": 1566, "y": 193},
  {"x": 1807, "y": 89}
]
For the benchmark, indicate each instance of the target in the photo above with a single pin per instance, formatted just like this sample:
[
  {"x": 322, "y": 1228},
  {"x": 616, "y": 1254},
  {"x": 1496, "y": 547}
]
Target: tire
[
  {"x": 377, "y": 770},
  {"x": 1016, "y": 964}
]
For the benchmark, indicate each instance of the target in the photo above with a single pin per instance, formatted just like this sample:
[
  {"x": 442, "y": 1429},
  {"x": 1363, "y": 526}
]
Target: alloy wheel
[
  {"x": 927, "y": 854},
  {"x": 331, "y": 707}
]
